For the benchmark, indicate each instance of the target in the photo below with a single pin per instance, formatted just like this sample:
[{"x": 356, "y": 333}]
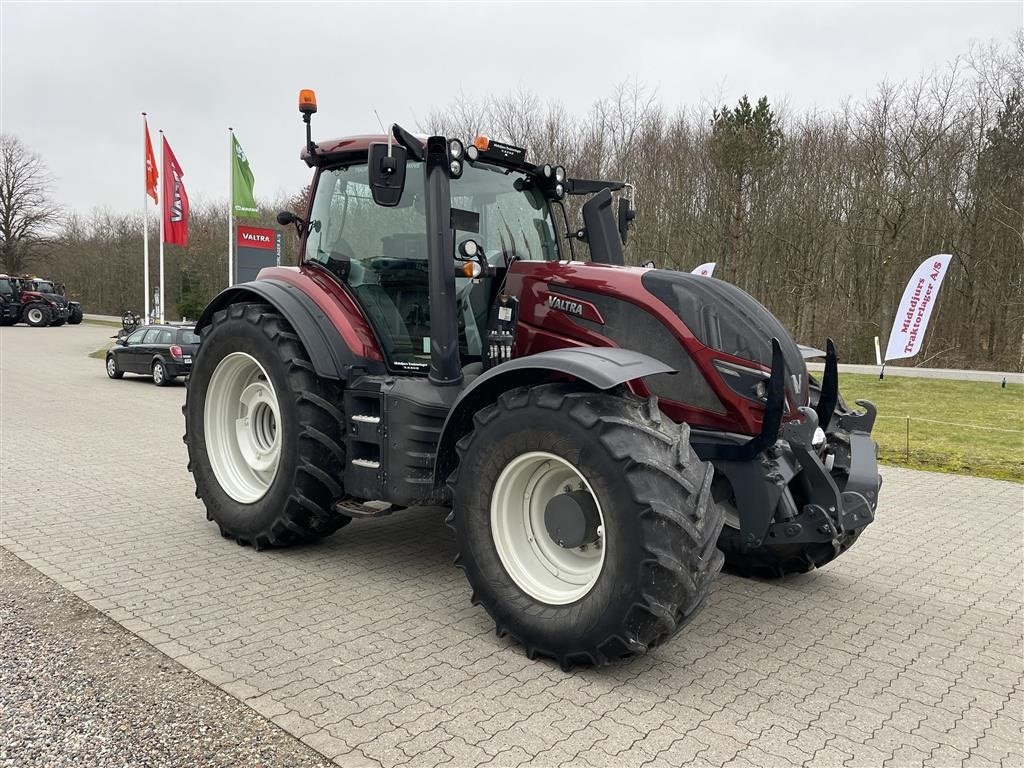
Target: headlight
[
  {"x": 559, "y": 173},
  {"x": 455, "y": 149}
]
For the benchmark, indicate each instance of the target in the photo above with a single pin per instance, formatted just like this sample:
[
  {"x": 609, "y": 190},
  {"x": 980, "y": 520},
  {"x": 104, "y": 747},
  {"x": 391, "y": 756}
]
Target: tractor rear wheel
[
  {"x": 37, "y": 315},
  {"x": 584, "y": 522},
  {"x": 264, "y": 432},
  {"x": 773, "y": 561}
]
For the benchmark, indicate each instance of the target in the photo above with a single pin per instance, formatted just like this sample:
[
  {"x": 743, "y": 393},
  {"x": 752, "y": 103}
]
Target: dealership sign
[{"x": 256, "y": 248}]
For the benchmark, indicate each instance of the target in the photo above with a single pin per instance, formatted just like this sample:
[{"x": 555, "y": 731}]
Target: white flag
[
  {"x": 915, "y": 309},
  {"x": 705, "y": 269}
]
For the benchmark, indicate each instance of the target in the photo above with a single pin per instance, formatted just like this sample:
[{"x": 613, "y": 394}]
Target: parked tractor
[
  {"x": 31, "y": 301},
  {"x": 55, "y": 292},
  {"x": 607, "y": 436}
]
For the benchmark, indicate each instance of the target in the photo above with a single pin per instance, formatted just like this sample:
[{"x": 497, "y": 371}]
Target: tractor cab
[{"x": 498, "y": 215}]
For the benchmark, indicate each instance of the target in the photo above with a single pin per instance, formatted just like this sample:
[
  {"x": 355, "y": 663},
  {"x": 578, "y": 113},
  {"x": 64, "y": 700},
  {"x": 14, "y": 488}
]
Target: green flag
[{"x": 242, "y": 181}]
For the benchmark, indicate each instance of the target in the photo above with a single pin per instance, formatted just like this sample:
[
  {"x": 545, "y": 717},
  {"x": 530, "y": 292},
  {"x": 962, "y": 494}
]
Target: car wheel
[
  {"x": 112, "y": 370},
  {"x": 159, "y": 374}
]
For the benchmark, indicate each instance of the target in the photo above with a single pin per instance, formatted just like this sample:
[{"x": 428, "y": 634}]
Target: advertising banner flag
[
  {"x": 915, "y": 309},
  {"x": 175, "y": 208},
  {"x": 152, "y": 175},
  {"x": 242, "y": 201},
  {"x": 707, "y": 270}
]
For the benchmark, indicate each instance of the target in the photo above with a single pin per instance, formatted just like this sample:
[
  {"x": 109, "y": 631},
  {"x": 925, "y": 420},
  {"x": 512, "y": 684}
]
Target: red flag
[
  {"x": 151, "y": 172},
  {"x": 175, "y": 210}
]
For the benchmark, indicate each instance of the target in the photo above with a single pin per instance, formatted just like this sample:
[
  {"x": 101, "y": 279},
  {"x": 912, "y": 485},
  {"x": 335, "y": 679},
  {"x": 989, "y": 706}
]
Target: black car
[{"x": 163, "y": 352}]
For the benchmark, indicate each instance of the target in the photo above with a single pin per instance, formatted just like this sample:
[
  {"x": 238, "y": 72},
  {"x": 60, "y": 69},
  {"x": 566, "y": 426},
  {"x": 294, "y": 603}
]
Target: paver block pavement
[{"x": 907, "y": 650}]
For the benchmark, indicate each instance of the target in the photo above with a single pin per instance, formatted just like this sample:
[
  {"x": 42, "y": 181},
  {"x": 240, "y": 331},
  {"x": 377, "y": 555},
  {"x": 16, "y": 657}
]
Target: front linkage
[{"x": 809, "y": 481}]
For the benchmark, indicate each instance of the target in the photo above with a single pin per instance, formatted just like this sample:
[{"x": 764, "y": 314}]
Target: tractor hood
[
  {"x": 53, "y": 298},
  {"x": 728, "y": 319}
]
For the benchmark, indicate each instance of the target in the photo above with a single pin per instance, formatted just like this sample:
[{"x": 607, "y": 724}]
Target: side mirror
[
  {"x": 626, "y": 215},
  {"x": 284, "y": 218},
  {"x": 599, "y": 223},
  {"x": 387, "y": 173}
]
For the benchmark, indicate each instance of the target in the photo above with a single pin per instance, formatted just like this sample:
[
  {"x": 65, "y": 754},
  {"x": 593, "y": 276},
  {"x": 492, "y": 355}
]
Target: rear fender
[
  {"x": 599, "y": 367},
  {"x": 331, "y": 356}
]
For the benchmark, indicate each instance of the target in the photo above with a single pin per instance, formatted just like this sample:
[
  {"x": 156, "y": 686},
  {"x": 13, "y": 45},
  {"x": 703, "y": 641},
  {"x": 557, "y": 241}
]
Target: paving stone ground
[{"x": 906, "y": 651}]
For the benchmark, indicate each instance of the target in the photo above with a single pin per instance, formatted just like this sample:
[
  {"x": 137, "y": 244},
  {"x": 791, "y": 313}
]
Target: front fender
[{"x": 600, "y": 367}]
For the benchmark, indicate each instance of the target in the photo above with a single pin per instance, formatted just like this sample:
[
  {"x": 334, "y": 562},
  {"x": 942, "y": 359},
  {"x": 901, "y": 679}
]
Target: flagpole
[
  {"x": 163, "y": 215},
  {"x": 231, "y": 202},
  {"x": 145, "y": 219}
]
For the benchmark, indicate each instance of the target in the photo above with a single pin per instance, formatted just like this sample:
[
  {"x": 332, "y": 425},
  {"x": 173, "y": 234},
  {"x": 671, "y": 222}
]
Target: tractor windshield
[
  {"x": 380, "y": 253},
  {"x": 514, "y": 216},
  {"x": 44, "y": 286}
]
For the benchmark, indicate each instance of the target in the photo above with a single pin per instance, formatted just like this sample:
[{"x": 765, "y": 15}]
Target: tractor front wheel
[
  {"x": 584, "y": 522},
  {"x": 38, "y": 316},
  {"x": 75, "y": 317},
  {"x": 264, "y": 432}
]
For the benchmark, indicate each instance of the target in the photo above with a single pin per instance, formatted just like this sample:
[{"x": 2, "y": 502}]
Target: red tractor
[
  {"x": 32, "y": 301},
  {"x": 592, "y": 425}
]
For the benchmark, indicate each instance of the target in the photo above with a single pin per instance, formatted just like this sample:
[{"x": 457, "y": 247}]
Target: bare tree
[{"x": 28, "y": 213}]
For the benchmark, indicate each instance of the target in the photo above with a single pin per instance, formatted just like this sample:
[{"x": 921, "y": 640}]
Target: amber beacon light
[{"x": 307, "y": 101}]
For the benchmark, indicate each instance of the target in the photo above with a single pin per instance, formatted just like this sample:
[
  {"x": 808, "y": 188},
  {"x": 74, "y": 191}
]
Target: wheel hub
[
  {"x": 243, "y": 427},
  {"x": 256, "y": 430},
  {"x": 548, "y": 528},
  {"x": 572, "y": 519}
]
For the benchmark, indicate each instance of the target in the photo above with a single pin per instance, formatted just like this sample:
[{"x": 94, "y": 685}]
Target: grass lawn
[
  {"x": 109, "y": 323},
  {"x": 997, "y": 451},
  {"x": 101, "y": 353}
]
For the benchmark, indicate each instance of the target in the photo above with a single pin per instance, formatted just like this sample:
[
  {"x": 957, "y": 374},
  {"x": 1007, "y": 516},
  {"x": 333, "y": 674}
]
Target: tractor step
[{"x": 363, "y": 509}]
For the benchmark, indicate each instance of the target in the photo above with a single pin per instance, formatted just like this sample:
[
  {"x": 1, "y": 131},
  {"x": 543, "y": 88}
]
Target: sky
[{"x": 74, "y": 77}]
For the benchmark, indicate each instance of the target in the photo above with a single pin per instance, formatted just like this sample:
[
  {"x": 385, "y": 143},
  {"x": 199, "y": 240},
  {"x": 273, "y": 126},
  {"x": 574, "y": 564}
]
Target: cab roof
[{"x": 344, "y": 148}]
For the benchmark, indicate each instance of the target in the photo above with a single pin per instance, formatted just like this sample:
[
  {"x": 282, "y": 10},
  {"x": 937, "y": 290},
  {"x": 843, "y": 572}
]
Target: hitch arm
[
  {"x": 775, "y": 397},
  {"x": 829, "y": 397}
]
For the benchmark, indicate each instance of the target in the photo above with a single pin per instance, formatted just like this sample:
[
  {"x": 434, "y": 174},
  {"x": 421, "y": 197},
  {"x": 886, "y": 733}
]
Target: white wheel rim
[
  {"x": 111, "y": 366},
  {"x": 242, "y": 421},
  {"x": 545, "y": 571},
  {"x": 158, "y": 373},
  {"x": 35, "y": 315}
]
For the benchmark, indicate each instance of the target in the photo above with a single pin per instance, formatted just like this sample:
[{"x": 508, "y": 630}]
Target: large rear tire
[
  {"x": 264, "y": 432},
  {"x": 649, "y": 497}
]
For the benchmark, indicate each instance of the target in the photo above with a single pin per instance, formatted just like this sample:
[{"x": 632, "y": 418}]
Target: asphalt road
[{"x": 906, "y": 651}]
